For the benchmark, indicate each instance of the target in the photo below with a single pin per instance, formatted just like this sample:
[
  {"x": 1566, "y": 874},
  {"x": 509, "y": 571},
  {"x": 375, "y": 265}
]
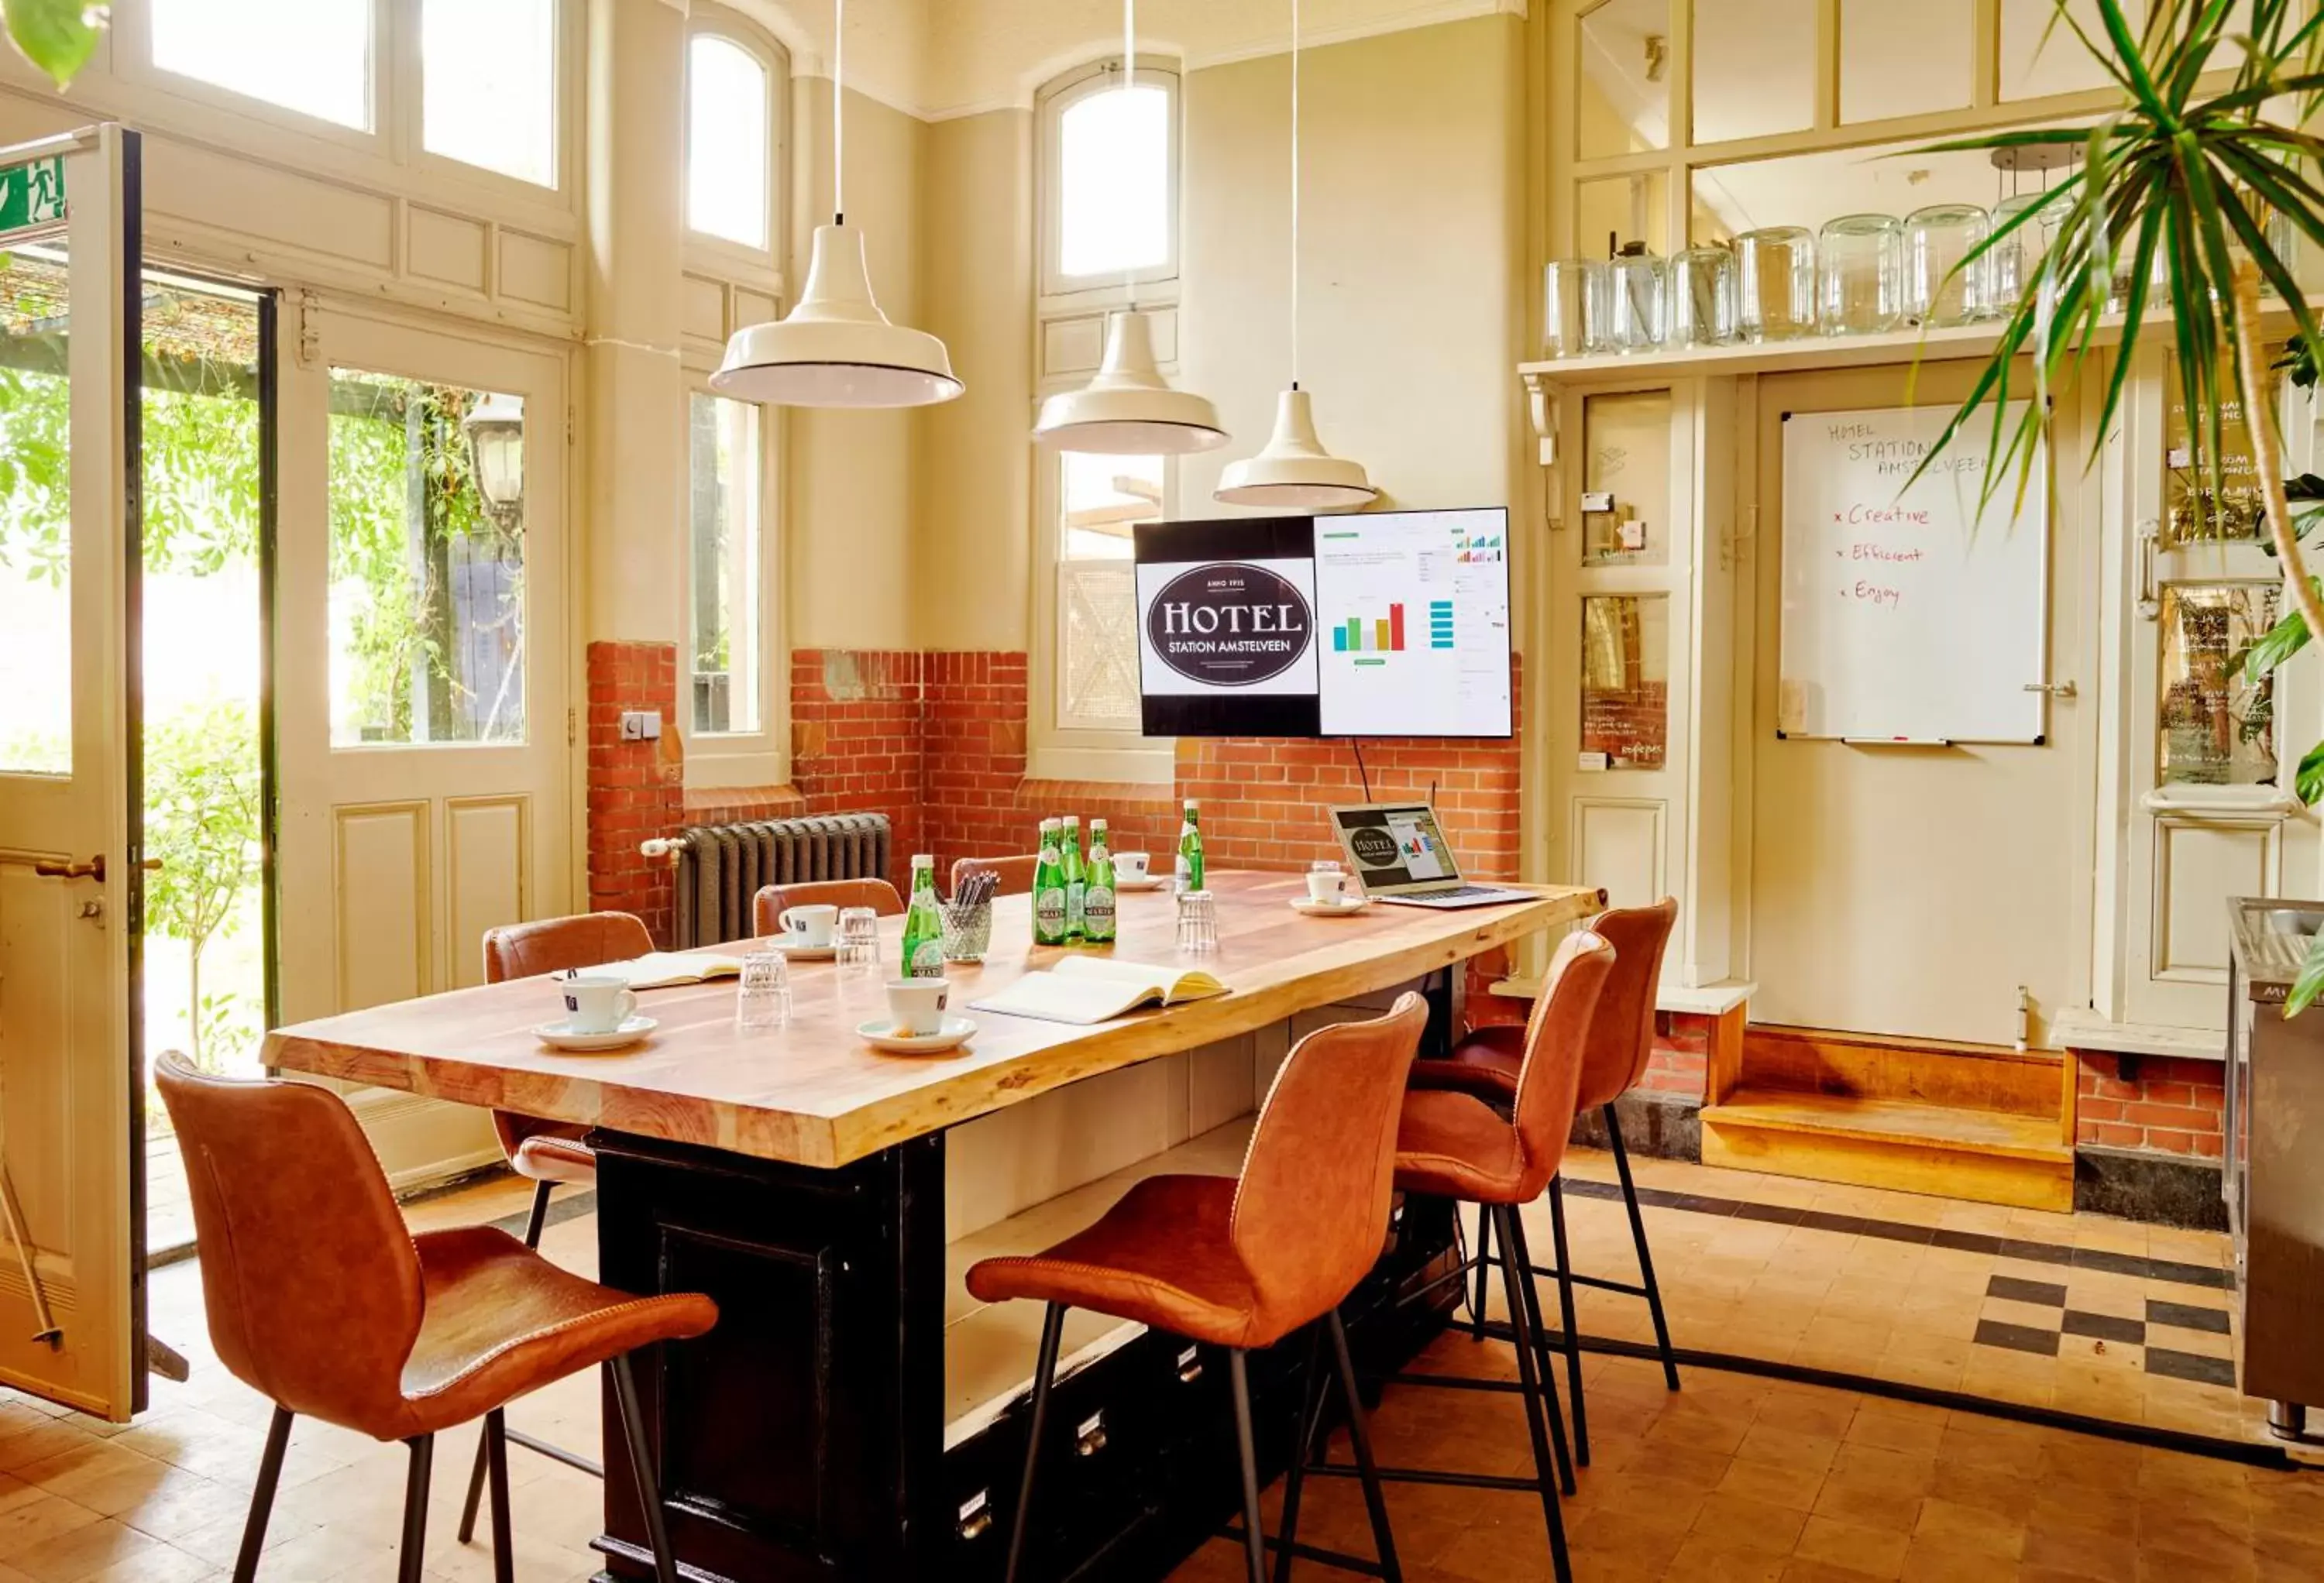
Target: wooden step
[
  {"x": 1991, "y": 1156},
  {"x": 1928, "y": 1072}
]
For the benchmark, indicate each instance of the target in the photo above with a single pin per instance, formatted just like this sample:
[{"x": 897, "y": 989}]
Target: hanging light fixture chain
[
  {"x": 1295, "y": 194},
  {"x": 838, "y": 112}
]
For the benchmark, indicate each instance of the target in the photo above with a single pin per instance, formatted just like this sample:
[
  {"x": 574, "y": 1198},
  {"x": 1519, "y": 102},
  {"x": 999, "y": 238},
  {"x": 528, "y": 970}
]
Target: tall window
[
  {"x": 488, "y": 93},
  {"x": 1111, "y": 192},
  {"x": 311, "y": 56},
  {"x": 727, "y": 585},
  {"x": 1100, "y": 499},
  {"x": 727, "y": 141}
]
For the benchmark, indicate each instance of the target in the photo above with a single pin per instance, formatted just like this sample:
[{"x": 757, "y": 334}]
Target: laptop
[{"x": 1399, "y": 855}]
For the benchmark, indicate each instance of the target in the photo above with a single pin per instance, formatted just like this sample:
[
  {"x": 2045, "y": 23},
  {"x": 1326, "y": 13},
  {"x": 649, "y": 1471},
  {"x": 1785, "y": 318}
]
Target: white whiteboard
[{"x": 1906, "y": 616}]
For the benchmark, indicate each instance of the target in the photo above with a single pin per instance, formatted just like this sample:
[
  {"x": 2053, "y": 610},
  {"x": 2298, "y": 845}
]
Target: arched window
[
  {"x": 729, "y": 141},
  {"x": 1110, "y": 187}
]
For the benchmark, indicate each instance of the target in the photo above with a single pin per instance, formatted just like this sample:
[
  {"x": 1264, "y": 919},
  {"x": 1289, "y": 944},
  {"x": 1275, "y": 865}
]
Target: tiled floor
[{"x": 1734, "y": 1477}]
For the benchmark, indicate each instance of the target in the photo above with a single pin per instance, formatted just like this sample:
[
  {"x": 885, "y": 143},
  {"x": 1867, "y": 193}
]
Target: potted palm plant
[{"x": 2202, "y": 180}]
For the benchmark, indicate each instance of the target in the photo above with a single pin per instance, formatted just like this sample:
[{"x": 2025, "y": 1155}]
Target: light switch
[{"x": 641, "y": 725}]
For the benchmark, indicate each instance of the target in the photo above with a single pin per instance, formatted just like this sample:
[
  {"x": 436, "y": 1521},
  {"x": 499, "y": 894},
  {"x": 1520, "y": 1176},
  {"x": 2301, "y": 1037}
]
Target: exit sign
[{"x": 32, "y": 194}]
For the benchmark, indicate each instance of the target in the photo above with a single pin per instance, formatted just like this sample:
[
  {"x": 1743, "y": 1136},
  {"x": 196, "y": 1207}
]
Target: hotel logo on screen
[{"x": 1229, "y": 625}]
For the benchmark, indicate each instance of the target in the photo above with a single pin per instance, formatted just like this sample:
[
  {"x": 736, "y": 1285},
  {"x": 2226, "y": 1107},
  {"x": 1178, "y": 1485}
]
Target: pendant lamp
[
  {"x": 1130, "y": 409},
  {"x": 835, "y": 348},
  {"x": 1294, "y": 472}
]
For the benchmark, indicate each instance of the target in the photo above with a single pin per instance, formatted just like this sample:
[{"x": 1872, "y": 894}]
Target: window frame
[
  {"x": 130, "y": 39},
  {"x": 566, "y": 128},
  {"x": 712, "y": 21},
  {"x": 726, "y": 759},
  {"x": 1056, "y": 97}
]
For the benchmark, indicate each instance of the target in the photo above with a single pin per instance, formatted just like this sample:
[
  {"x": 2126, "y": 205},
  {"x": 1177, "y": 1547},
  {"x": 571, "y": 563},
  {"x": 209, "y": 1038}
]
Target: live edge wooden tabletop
[{"x": 815, "y": 1094}]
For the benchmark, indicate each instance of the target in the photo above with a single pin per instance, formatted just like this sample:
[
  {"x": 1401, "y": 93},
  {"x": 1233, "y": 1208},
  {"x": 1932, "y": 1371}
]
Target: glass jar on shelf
[
  {"x": 1860, "y": 275},
  {"x": 1775, "y": 283},
  {"x": 1702, "y": 298},
  {"x": 2013, "y": 260},
  {"x": 1942, "y": 285},
  {"x": 1573, "y": 310},
  {"x": 1636, "y": 287}
]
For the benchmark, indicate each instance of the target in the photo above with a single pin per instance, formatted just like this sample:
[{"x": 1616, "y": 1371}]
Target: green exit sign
[{"x": 32, "y": 194}]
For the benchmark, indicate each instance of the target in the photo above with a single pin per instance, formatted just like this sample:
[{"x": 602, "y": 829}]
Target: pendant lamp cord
[
  {"x": 838, "y": 118},
  {"x": 1129, "y": 86}
]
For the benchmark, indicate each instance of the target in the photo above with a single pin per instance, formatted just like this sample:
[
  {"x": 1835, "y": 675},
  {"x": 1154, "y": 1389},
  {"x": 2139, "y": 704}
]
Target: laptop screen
[{"x": 1395, "y": 846}]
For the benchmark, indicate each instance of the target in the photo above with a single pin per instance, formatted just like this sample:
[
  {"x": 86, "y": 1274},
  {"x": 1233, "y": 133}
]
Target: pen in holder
[{"x": 967, "y": 918}]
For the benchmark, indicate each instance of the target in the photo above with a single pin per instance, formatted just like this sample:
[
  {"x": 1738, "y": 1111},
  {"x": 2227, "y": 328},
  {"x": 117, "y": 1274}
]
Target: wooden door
[
  {"x": 71, "y": 1229},
  {"x": 1912, "y": 890},
  {"x": 423, "y": 672}
]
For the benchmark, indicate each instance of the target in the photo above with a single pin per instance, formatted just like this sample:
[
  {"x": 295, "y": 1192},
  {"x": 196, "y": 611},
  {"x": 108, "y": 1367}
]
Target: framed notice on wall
[{"x": 1908, "y": 615}]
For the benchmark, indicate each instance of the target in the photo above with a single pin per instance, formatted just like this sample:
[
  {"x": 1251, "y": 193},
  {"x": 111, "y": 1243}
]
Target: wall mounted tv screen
[{"x": 1388, "y": 624}]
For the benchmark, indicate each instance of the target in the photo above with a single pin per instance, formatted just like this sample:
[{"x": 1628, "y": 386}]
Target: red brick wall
[
  {"x": 2165, "y": 1107},
  {"x": 634, "y": 788},
  {"x": 856, "y": 740}
]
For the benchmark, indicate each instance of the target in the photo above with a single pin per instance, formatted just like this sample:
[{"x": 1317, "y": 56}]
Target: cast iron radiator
[{"x": 720, "y": 867}]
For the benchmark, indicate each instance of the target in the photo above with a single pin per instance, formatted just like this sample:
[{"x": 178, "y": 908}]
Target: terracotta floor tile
[
  {"x": 1950, "y": 1523},
  {"x": 1788, "y": 1447},
  {"x": 1871, "y": 1552},
  {"x": 1707, "y": 1558},
  {"x": 1759, "y": 1523},
  {"x": 1794, "y": 1488}
]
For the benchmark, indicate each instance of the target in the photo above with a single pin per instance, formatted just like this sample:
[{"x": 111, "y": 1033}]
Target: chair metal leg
[
  {"x": 1520, "y": 1252},
  {"x": 262, "y": 1498},
  {"x": 1545, "y": 1462},
  {"x": 503, "y": 1545},
  {"x": 1044, "y": 1373},
  {"x": 1565, "y": 1316},
  {"x": 633, "y": 1431},
  {"x": 1477, "y": 1293},
  {"x": 1254, "y": 1533},
  {"x": 476, "y": 1501},
  {"x": 1359, "y": 1432},
  {"x": 1638, "y": 1235},
  {"x": 410, "y": 1557},
  {"x": 537, "y": 1221},
  {"x": 1304, "y": 1425}
]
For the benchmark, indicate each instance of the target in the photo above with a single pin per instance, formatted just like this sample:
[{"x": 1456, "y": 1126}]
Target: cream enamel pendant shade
[
  {"x": 1294, "y": 472},
  {"x": 835, "y": 348},
  {"x": 1129, "y": 408}
]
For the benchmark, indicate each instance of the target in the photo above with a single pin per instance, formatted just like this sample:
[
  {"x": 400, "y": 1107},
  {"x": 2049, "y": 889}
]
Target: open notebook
[
  {"x": 1098, "y": 989},
  {"x": 658, "y": 970}
]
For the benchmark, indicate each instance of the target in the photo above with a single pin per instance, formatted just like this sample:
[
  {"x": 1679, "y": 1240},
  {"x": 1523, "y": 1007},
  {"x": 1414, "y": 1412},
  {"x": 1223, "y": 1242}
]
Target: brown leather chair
[
  {"x": 767, "y": 907},
  {"x": 1016, "y": 873},
  {"x": 1452, "y": 1145},
  {"x": 319, "y": 1297},
  {"x": 549, "y": 1153},
  {"x": 1242, "y": 1263},
  {"x": 1621, "y": 1041}
]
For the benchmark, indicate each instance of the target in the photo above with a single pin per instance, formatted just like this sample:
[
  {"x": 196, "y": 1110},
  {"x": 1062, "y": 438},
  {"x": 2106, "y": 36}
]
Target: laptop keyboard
[{"x": 1456, "y": 891}]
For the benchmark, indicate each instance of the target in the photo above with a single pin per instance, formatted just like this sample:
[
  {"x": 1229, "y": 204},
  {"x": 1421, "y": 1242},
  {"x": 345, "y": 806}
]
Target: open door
[{"x": 71, "y": 1220}]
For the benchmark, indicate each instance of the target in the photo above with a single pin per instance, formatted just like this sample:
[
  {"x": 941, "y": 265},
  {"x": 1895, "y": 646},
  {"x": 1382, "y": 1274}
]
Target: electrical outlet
[{"x": 641, "y": 725}]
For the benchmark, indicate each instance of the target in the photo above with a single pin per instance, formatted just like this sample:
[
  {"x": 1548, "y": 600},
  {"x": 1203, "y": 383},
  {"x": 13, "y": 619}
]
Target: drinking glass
[
  {"x": 858, "y": 940},
  {"x": 1775, "y": 283},
  {"x": 1635, "y": 288},
  {"x": 762, "y": 993},
  {"x": 1937, "y": 290},
  {"x": 1702, "y": 298},
  {"x": 1572, "y": 291},
  {"x": 1198, "y": 922},
  {"x": 2010, "y": 267},
  {"x": 1860, "y": 275}
]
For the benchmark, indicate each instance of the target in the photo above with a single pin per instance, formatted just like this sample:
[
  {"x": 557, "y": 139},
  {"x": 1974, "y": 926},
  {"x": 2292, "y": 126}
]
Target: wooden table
[{"x": 798, "y": 1176}]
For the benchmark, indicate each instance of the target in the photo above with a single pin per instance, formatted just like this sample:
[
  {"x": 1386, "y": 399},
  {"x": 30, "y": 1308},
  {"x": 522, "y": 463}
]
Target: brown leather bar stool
[
  {"x": 548, "y": 1153},
  {"x": 319, "y": 1297},
  {"x": 1452, "y": 1145},
  {"x": 1621, "y": 1041},
  {"x": 1243, "y": 1264},
  {"x": 767, "y": 907},
  {"x": 1016, "y": 873}
]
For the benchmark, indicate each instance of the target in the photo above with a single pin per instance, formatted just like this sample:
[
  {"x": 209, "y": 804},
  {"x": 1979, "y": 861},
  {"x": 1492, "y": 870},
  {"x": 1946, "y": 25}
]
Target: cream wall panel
[
  {"x": 2198, "y": 861},
  {"x": 222, "y": 192},
  {"x": 1028, "y": 1153},
  {"x": 485, "y": 840},
  {"x": 1220, "y": 1079},
  {"x": 37, "y": 917},
  {"x": 448, "y": 249},
  {"x": 1072, "y": 346},
  {"x": 749, "y": 307},
  {"x": 380, "y": 860},
  {"x": 702, "y": 309},
  {"x": 538, "y": 270},
  {"x": 1617, "y": 844}
]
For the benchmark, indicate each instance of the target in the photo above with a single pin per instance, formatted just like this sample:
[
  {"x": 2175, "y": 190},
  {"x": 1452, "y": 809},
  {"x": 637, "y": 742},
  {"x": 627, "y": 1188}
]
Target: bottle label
[
  {"x": 1097, "y": 905},
  {"x": 1077, "y": 900},
  {"x": 927, "y": 961},
  {"x": 1049, "y": 914}
]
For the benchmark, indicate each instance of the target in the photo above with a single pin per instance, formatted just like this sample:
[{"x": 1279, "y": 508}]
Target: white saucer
[
  {"x": 800, "y": 949},
  {"x": 1151, "y": 882},
  {"x": 559, "y": 1036},
  {"x": 956, "y": 1032},
  {"x": 1330, "y": 909}
]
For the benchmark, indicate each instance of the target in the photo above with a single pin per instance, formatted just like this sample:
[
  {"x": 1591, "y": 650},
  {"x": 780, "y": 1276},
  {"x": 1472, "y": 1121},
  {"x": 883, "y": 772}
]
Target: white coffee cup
[
  {"x": 1327, "y": 887},
  {"x": 809, "y": 926},
  {"x": 595, "y": 1004},
  {"x": 1129, "y": 865},
  {"x": 916, "y": 1006}
]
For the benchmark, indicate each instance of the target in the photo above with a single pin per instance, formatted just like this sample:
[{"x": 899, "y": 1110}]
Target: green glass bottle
[
  {"x": 1076, "y": 921},
  {"x": 1097, "y": 892},
  {"x": 1049, "y": 889},
  {"x": 923, "y": 923},
  {"x": 1188, "y": 875}
]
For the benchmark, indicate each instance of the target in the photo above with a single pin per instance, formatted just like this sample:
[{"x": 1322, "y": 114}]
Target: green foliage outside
[
  {"x": 202, "y": 822},
  {"x": 58, "y": 36}
]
